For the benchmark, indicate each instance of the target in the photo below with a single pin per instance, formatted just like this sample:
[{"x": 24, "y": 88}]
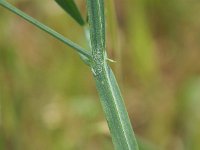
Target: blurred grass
[{"x": 47, "y": 96}]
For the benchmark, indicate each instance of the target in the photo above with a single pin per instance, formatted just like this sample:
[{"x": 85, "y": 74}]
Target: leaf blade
[
  {"x": 70, "y": 7},
  {"x": 46, "y": 29}
]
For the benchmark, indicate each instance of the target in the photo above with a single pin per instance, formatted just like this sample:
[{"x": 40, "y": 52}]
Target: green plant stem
[
  {"x": 46, "y": 29},
  {"x": 112, "y": 102},
  {"x": 113, "y": 105},
  {"x": 115, "y": 111}
]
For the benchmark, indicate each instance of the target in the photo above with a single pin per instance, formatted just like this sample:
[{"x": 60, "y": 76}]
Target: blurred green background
[{"x": 48, "y": 99}]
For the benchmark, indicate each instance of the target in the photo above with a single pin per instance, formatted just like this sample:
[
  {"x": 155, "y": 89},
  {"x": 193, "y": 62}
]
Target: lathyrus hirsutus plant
[{"x": 96, "y": 58}]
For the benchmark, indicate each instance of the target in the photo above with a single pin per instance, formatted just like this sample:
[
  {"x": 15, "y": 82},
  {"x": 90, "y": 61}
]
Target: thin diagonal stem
[{"x": 45, "y": 28}]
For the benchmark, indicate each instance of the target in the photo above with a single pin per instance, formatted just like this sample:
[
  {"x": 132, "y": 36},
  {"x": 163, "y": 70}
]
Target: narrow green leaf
[
  {"x": 45, "y": 28},
  {"x": 70, "y": 7},
  {"x": 113, "y": 105}
]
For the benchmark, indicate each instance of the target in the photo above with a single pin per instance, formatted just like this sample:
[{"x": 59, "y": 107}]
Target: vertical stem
[
  {"x": 112, "y": 102},
  {"x": 115, "y": 111}
]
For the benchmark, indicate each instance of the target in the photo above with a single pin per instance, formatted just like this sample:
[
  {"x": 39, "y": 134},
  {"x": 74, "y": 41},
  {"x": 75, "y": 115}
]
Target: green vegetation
[
  {"x": 48, "y": 97},
  {"x": 111, "y": 99}
]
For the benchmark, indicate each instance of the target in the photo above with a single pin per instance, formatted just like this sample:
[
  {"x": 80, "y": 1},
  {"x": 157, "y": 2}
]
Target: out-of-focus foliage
[{"x": 48, "y": 98}]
